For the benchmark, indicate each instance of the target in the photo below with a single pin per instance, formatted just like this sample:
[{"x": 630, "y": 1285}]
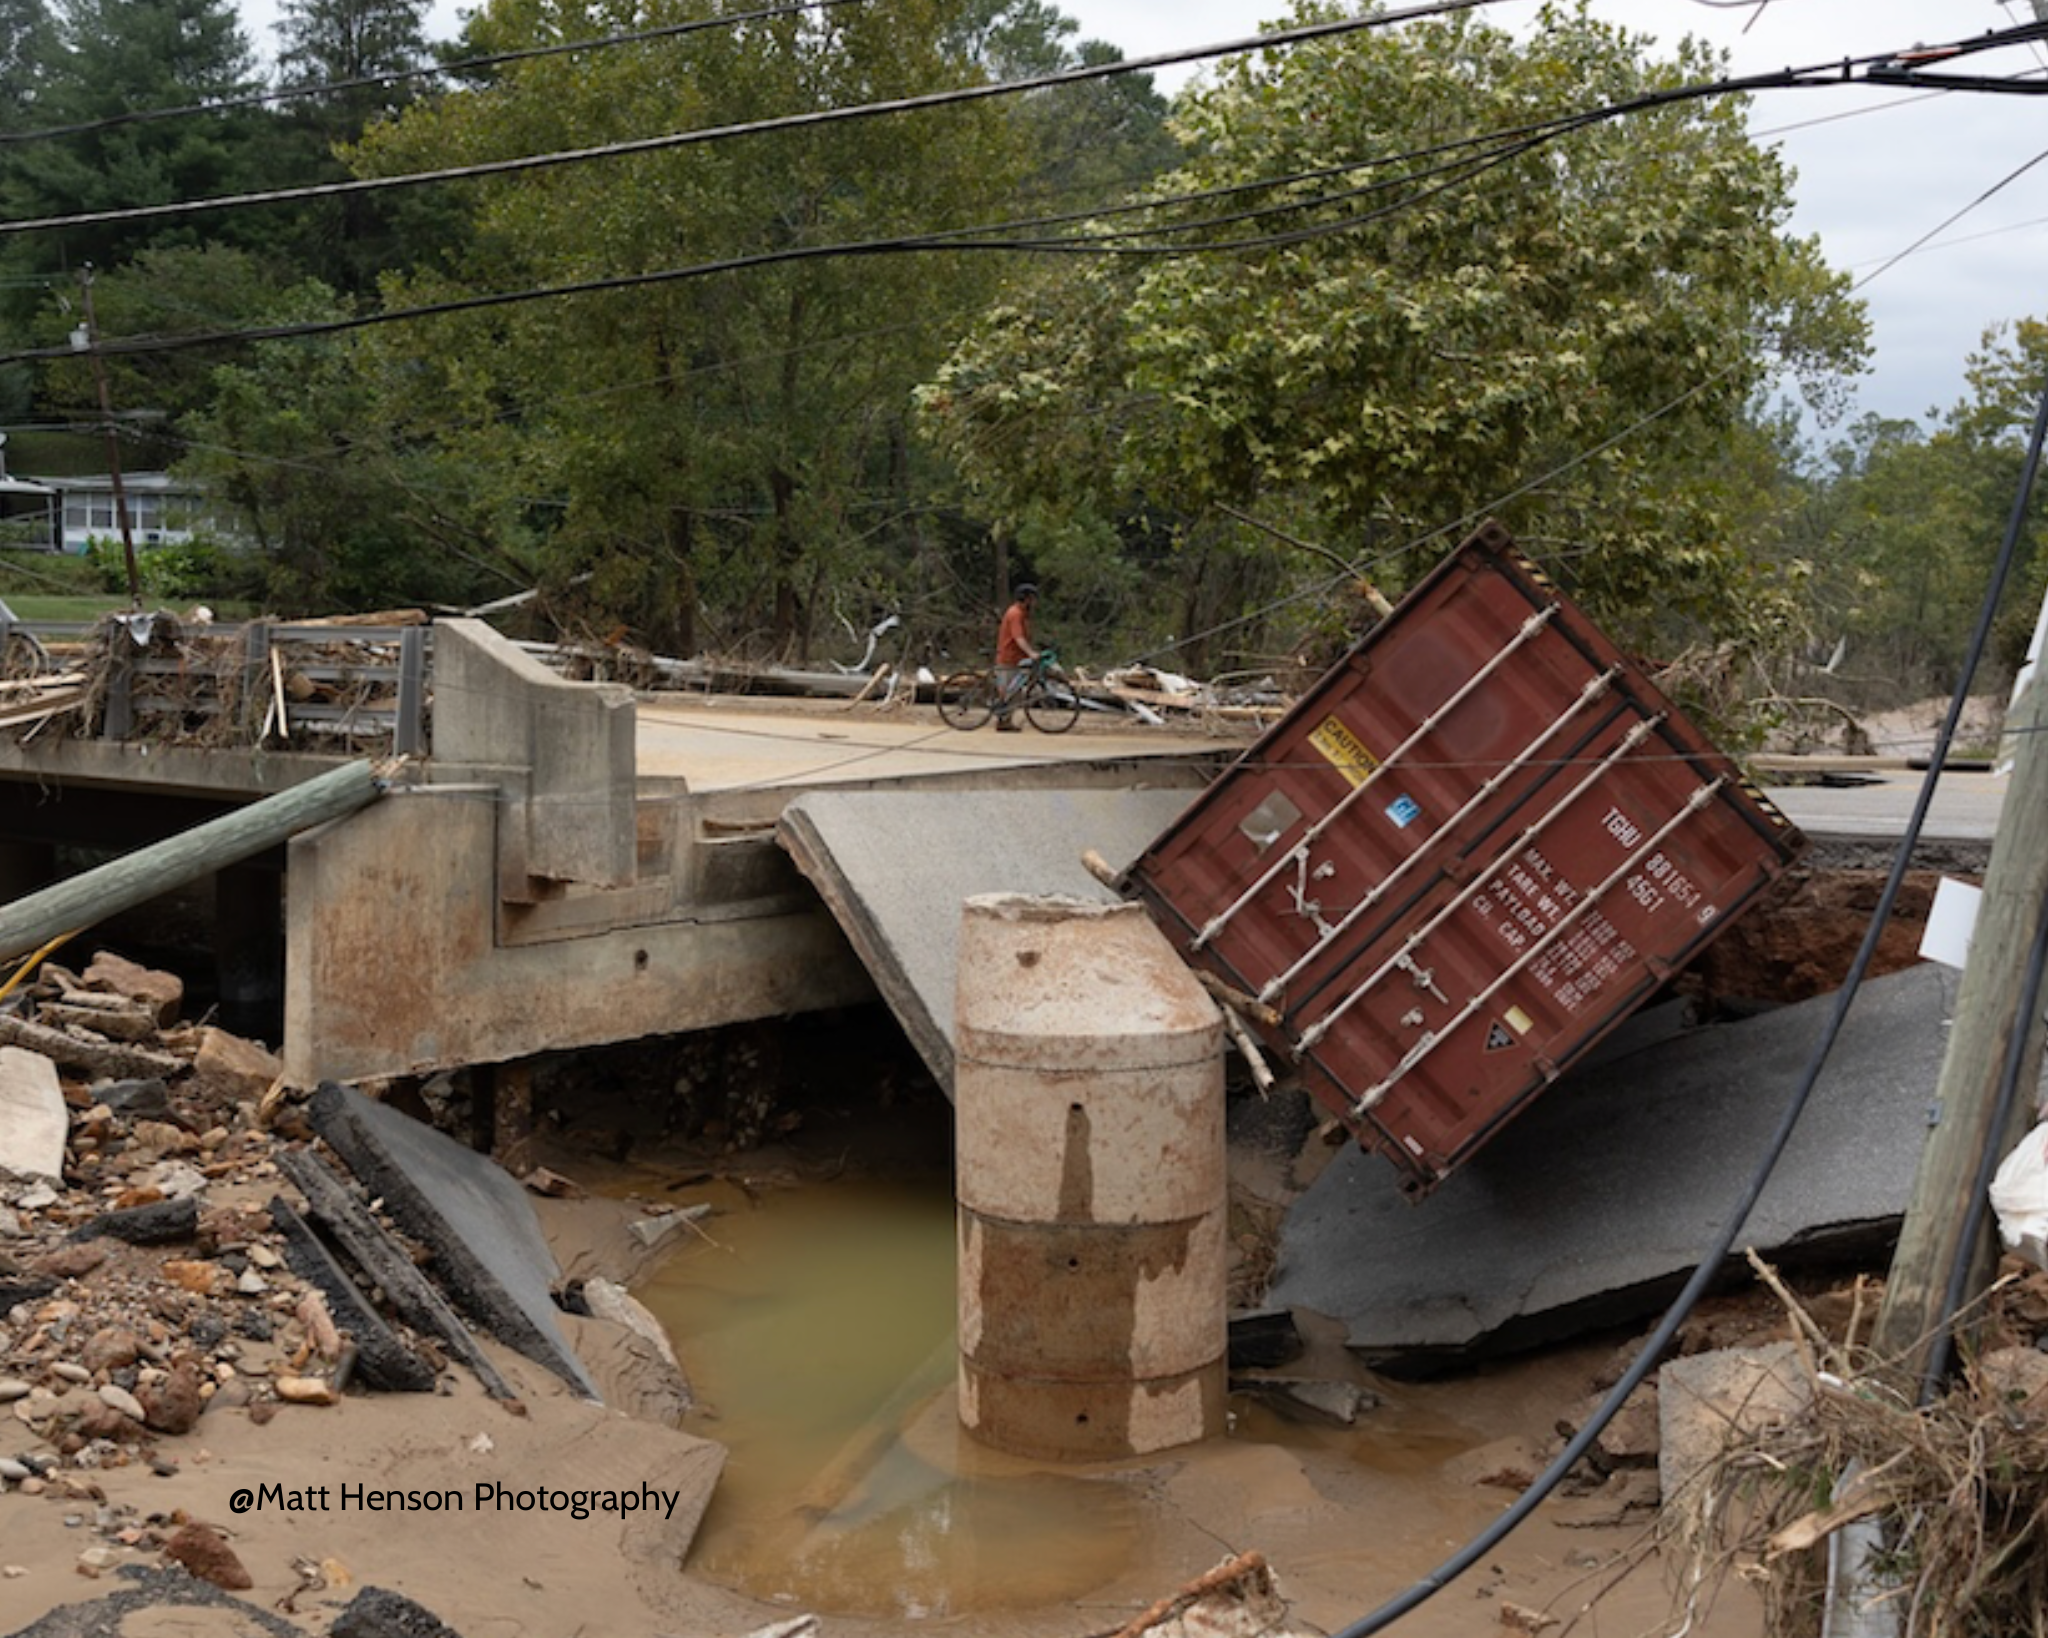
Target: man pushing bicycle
[{"x": 1015, "y": 650}]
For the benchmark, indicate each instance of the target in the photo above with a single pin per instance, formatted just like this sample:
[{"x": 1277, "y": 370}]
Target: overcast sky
[{"x": 1877, "y": 169}]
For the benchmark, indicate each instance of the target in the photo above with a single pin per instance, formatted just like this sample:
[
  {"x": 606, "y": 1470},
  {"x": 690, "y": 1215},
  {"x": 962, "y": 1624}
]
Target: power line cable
[
  {"x": 809, "y": 120},
  {"x": 1519, "y": 140},
  {"x": 940, "y": 239},
  {"x": 256, "y": 99}
]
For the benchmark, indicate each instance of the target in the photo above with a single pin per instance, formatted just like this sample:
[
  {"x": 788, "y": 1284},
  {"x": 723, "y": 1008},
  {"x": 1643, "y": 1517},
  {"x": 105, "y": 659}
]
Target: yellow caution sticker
[
  {"x": 1345, "y": 751},
  {"x": 1521, "y": 1021}
]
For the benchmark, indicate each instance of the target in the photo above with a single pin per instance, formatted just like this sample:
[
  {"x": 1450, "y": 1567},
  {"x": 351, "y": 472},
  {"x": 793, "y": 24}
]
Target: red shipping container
[{"x": 1473, "y": 848}]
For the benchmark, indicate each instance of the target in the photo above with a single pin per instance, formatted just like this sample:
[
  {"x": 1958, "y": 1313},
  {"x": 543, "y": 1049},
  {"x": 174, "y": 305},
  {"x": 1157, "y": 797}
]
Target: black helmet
[{"x": 1027, "y": 590}]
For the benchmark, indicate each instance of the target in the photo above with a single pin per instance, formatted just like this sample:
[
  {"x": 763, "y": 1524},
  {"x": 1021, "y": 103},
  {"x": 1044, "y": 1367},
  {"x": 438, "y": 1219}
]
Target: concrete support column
[{"x": 1088, "y": 1101}]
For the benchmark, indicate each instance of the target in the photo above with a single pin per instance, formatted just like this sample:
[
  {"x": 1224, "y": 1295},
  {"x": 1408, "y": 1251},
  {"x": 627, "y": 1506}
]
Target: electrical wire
[
  {"x": 464, "y": 65},
  {"x": 810, "y": 119},
  {"x": 961, "y": 240},
  {"x": 1710, "y": 1264},
  {"x": 1519, "y": 139}
]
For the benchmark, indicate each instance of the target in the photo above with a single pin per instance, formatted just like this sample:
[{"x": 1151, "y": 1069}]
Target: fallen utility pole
[
  {"x": 1944, "y": 1215},
  {"x": 83, "y": 900}
]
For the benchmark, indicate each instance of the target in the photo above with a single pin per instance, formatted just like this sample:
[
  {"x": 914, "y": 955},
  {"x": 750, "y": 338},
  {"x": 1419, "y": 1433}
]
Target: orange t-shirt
[{"x": 1013, "y": 637}]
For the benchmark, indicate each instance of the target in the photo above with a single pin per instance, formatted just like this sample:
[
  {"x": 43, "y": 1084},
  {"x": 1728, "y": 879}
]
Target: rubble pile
[{"x": 147, "y": 1278}]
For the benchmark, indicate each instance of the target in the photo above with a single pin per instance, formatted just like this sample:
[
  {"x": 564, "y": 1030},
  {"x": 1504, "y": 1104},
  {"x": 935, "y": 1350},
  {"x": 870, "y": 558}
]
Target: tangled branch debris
[{"x": 1950, "y": 1499}]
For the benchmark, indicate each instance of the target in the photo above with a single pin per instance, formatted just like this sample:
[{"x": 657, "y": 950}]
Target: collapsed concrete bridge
[{"x": 568, "y": 866}]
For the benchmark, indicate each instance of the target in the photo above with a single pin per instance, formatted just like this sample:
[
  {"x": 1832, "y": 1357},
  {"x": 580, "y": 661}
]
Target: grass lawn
[{"x": 50, "y": 606}]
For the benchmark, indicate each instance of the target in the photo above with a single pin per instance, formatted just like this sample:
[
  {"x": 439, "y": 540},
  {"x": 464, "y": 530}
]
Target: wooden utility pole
[
  {"x": 1990, "y": 1005},
  {"x": 86, "y": 339},
  {"x": 135, "y": 878}
]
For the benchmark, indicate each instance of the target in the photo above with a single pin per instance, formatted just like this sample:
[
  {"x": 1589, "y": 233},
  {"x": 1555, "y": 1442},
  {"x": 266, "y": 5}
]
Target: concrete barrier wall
[{"x": 563, "y": 750}]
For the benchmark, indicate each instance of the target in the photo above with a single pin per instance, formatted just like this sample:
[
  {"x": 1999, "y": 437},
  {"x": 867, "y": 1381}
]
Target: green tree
[
  {"x": 365, "y": 52},
  {"x": 1924, "y": 513},
  {"x": 332, "y": 509},
  {"x": 1397, "y": 319},
  {"x": 112, "y": 58},
  {"x": 726, "y": 453},
  {"x": 26, "y": 33}
]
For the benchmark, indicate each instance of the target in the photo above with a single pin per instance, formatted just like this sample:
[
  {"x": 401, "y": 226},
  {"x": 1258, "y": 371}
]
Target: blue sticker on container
[{"x": 1405, "y": 812}]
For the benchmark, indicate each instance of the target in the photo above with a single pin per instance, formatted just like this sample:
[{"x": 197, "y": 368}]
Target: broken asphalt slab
[
  {"x": 472, "y": 1216},
  {"x": 1594, "y": 1206},
  {"x": 894, "y": 868},
  {"x": 144, "y": 1605},
  {"x": 153, "y": 1593}
]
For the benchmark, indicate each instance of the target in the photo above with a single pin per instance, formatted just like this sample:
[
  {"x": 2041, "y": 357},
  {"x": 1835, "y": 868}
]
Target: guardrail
[{"x": 327, "y": 686}]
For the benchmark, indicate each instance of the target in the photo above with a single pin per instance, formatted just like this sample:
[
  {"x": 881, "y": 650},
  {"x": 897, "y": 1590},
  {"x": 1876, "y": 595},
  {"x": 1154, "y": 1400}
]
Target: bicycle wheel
[
  {"x": 1052, "y": 706},
  {"x": 22, "y": 657},
  {"x": 967, "y": 699}
]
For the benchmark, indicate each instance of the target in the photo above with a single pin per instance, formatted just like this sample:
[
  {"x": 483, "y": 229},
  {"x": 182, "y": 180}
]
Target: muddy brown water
[{"x": 817, "y": 1327}]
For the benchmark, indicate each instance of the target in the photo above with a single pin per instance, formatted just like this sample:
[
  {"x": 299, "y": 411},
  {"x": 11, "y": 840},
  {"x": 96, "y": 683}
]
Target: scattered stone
[
  {"x": 14, "y": 1471},
  {"x": 73, "y": 1261},
  {"x": 150, "y": 1138},
  {"x": 203, "y": 1552},
  {"x": 13, "y": 1388},
  {"x": 318, "y": 1325},
  {"x": 109, "y": 1348},
  {"x": 199, "y": 1278},
  {"x": 34, "y": 1120},
  {"x": 240, "y": 1067},
  {"x": 136, "y": 1099},
  {"x": 71, "y": 1371},
  {"x": 95, "y": 1559},
  {"x": 121, "y": 1400},
  {"x": 113, "y": 1021},
  {"x": 542, "y": 1181},
  {"x": 176, "y": 1179},
  {"x": 251, "y": 1284},
  {"x": 305, "y": 1390},
  {"x": 1520, "y": 1618},
  {"x": 99, "y": 1420},
  {"x": 161, "y": 992},
  {"x": 160, "y": 1224},
  {"x": 1708, "y": 1399}
]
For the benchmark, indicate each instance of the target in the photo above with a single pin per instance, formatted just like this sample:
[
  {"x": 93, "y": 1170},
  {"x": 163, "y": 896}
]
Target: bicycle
[{"x": 967, "y": 699}]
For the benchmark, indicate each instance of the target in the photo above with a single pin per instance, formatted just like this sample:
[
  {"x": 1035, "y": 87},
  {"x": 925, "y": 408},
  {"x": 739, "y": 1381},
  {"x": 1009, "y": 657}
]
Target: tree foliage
[
  {"x": 1364, "y": 309},
  {"x": 1916, "y": 517},
  {"x": 725, "y": 451}
]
